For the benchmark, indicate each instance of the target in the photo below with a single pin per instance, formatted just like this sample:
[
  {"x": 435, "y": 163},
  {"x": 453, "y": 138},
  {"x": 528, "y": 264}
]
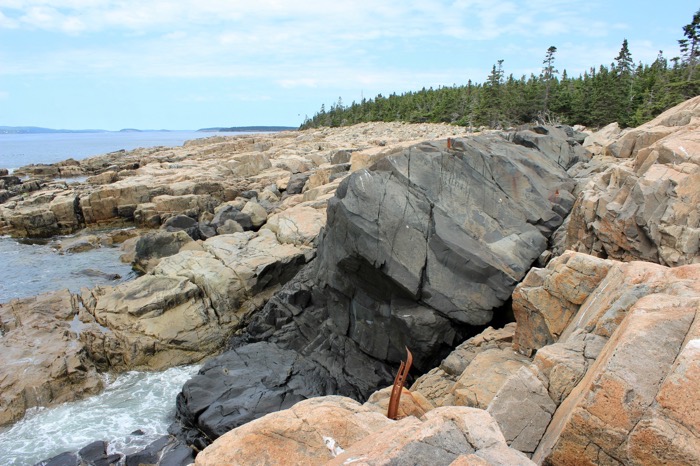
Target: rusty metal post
[{"x": 399, "y": 382}]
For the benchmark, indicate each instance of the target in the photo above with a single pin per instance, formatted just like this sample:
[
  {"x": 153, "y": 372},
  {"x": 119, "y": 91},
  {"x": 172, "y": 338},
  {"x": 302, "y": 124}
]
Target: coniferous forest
[{"x": 622, "y": 91}]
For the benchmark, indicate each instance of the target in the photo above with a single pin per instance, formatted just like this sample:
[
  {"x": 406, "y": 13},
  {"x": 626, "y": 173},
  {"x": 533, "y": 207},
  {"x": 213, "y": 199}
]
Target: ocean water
[
  {"x": 38, "y": 267},
  {"x": 17, "y": 150},
  {"x": 132, "y": 401}
]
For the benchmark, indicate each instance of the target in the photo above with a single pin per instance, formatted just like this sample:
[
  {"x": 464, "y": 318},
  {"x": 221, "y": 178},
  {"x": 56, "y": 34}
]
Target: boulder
[
  {"x": 547, "y": 299},
  {"x": 256, "y": 212},
  {"x": 438, "y": 384},
  {"x": 406, "y": 262},
  {"x": 296, "y": 183},
  {"x": 167, "y": 450},
  {"x": 410, "y": 403},
  {"x": 230, "y": 212},
  {"x": 445, "y": 435},
  {"x": 485, "y": 376},
  {"x": 46, "y": 213},
  {"x": 298, "y": 225},
  {"x": 523, "y": 419},
  {"x": 401, "y": 238},
  {"x": 229, "y": 227},
  {"x": 607, "y": 371},
  {"x": 596, "y": 142},
  {"x": 152, "y": 247},
  {"x": 179, "y": 222},
  {"x": 247, "y": 165},
  {"x": 335, "y": 430}
]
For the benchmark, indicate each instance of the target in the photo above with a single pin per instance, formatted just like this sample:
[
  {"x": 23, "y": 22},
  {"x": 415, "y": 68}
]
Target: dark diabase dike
[{"x": 419, "y": 250}]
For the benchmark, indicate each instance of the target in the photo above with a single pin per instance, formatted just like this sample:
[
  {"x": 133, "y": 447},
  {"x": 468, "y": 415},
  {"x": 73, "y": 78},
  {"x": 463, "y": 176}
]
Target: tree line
[{"x": 623, "y": 91}]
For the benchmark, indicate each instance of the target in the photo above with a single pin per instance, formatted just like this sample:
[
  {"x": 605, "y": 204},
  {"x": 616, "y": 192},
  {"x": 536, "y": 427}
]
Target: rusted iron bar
[{"x": 399, "y": 382}]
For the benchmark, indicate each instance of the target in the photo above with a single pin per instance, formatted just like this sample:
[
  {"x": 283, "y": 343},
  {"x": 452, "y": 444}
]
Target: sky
[{"x": 190, "y": 64}]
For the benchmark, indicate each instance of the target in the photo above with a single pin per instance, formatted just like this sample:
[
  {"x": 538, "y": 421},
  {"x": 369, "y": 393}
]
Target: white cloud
[{"x": 294, "y": 44}]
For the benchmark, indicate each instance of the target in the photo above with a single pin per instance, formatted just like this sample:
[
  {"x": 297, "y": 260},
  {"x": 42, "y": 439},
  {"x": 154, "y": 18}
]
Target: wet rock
[
  {"x": 43, "y": 362},
  {"x": 247, "y": 383},
  {"x": 96, "y": 454},
  {"x": 166, "y": 451},
  {"x": 64, "y": 459}
]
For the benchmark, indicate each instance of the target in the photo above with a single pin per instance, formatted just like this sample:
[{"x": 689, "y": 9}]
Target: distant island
[{"x": 250, "y": 129}]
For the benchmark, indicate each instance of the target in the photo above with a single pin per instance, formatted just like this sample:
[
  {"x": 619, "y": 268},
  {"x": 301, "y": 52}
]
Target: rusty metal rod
[{"x": 399, "y": 382}]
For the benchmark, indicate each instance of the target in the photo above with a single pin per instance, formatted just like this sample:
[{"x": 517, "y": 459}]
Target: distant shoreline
[
  {"x": 234, "y": 129},
  {"x": 250, "y": 129}
]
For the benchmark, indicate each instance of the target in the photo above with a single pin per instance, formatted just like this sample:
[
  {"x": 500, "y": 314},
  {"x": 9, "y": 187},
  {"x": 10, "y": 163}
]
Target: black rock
[
  {"x": 246, "y": 383},
  {"x": 64, "y": 459},
  {"x": 206, "y": 231},
  {"x": 9, "y": 180},
  {"x": 179, "y": 222},
  {"x": 95, "y": 454},
  {"x": 166, "y": 451},
  {"x": 231, "y": 213},
  {"x": 341, "y": 156},
  {"x": 296, "y": 182}
]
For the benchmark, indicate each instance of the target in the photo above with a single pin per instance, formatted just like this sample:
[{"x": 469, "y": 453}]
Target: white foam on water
[{"x": 131, "y": 401}]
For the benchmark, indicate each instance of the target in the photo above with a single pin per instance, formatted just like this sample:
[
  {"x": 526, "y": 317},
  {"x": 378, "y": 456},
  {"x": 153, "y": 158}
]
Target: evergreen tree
[
  {"x": 689, "y": 45},
  {"x": 619, "y": 92},
  {"x": 548, "y": 72},
  {"x": 623, "y": 62}
]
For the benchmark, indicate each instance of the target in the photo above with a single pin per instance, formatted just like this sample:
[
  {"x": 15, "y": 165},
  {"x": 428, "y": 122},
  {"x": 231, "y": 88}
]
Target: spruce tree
[
  {"x": 690, "y": 45},
  {"x": 548, "y": 72}
]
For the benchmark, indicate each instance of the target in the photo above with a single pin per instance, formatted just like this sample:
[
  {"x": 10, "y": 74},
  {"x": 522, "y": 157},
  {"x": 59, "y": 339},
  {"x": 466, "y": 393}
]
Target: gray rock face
[{"x": 434, "y": 238}]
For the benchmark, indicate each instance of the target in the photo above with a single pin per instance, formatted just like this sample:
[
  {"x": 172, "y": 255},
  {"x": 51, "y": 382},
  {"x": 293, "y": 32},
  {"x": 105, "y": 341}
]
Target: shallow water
[
  {"x": 33, "y": 267},
  {"x": 132, "y": 401}
]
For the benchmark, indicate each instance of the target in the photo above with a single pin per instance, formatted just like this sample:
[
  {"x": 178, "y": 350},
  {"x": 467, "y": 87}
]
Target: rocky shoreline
[{"x": 306, "y": 262}]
